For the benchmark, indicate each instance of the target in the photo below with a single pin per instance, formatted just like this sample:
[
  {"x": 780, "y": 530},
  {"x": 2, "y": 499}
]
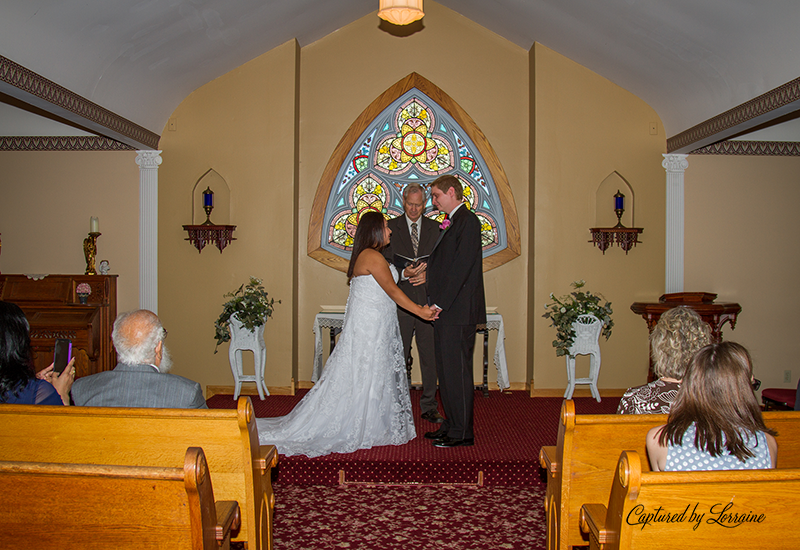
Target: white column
[
  {"x": 148, "y": 162},
  {"x": 675, "y": 165}
]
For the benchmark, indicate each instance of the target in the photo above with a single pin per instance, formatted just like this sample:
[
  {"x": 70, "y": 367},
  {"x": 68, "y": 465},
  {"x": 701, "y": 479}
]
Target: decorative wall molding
[
  {"x": 779, "y": 99},
  {"x": 753, "y": 148},
  {"x": 87, "y": 113},
  {"x": 61, "y": 143}
]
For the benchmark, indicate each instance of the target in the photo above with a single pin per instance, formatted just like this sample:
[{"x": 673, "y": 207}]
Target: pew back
[
  {"x": 64, "y": 506},
  {"x": 695, "y": 510},
  {"x": 586, "y": 455},
  {"x": 240, "y": 468}
]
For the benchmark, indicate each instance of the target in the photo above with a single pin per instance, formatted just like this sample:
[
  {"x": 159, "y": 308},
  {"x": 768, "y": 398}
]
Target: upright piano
[{"x": 53, "y": 309}]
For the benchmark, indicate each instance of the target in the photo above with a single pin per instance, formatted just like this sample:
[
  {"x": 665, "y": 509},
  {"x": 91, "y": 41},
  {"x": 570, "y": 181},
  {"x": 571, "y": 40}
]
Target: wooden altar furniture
[
  {"x": 54, "y": 311},
  {"x": 240, "y": 468},
  {"x": 66, "y": 506},
  {"x": 581, "y": 467},
  {"x": 715, "y": 314}
]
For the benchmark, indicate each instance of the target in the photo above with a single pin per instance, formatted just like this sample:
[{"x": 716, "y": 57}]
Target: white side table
[
  {"x": 243, "y": 339},
  {"x": 587, "y": 334},
  {"x": 334, "y": 320}
]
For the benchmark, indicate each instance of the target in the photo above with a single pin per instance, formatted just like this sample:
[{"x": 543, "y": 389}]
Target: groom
[{"x": 455, "y": 288}]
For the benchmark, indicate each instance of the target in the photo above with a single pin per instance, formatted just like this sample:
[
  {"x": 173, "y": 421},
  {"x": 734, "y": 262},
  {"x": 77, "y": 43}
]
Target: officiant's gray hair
[
  {"x": 412, "y": 188},
  {"x": 136, "y": 335}
]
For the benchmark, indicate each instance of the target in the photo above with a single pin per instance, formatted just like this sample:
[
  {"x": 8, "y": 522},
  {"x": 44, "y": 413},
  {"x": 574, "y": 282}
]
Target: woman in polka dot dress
[{"x": 715, "y": 422}]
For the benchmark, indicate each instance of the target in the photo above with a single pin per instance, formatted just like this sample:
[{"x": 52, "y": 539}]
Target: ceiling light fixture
[{"x": 401, "y": 12}]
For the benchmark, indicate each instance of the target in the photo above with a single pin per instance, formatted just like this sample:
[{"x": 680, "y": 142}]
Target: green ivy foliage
[
  {"x": 252, "y": 307},
  {"x": 564, "y": 311}
]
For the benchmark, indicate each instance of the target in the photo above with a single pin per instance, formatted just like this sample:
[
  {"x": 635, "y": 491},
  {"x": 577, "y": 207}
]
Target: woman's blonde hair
[{"x": 678, "y": 335}]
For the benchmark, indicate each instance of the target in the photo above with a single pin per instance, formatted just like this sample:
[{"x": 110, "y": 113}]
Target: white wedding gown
[{"x": 361, "y": 400}]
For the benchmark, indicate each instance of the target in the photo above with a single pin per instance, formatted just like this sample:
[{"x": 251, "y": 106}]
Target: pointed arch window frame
[{"x": 363, "y": 122}]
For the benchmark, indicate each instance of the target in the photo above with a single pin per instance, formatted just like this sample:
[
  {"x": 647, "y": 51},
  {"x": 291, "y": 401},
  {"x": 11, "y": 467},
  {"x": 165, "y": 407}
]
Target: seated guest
[
  {"x": 679, "y": 333},
  {"x": 140, "y": 379},
  {"x": 715, "y": 422},
  {"x": 18, "y": 382}
]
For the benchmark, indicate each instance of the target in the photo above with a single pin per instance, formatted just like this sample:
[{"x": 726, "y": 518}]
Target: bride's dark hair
[{"x": 369, "y": 234}]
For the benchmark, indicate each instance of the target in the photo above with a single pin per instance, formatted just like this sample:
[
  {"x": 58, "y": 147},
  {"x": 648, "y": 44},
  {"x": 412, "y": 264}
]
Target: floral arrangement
[
  {"x": 252, "y": 307},
  {"x": 445, "y": 224},
  {"x": 565, "y": 310},
  {"x": 83, "y": 288}
]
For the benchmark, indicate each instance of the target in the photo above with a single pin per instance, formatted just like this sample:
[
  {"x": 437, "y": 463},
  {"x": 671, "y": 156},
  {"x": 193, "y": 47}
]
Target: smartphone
[{"x": 62, "y": 354}]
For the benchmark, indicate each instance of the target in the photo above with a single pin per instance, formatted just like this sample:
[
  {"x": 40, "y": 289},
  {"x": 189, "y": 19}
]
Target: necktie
[{"x": 414, "y": 237}]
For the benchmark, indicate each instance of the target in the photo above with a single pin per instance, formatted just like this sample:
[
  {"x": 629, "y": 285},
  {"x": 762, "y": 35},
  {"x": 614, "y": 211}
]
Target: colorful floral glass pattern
[{"x": 412, "y": 140}]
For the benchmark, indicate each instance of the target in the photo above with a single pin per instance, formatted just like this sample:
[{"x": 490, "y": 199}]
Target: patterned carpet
[
  {"x": 409, "y": 517},
  {"x": 399, "y": 497},
  {"x": 510, "y": 427}
]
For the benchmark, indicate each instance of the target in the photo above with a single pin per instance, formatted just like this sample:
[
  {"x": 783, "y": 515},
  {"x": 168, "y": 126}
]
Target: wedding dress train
[{"x": 361, "y": 400}]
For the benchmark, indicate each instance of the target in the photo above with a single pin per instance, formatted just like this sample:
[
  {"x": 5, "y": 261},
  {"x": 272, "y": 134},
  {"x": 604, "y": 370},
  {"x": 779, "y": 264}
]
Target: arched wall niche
[
  {"x": 604, "y": 201},
  {"x": 494, "y": 181},
  {"x": 221, "y": 215}
]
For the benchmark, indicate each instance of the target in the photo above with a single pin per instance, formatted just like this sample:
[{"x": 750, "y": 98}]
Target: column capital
[
  {"x": 148, "y": 158},
  {"x": 675, "y": 162}
]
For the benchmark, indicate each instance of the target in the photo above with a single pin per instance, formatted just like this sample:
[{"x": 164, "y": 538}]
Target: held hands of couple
[{"x": 429, "y": 313}]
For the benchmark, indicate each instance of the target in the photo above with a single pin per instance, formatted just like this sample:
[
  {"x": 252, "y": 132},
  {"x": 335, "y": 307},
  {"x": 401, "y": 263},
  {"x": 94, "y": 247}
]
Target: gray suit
[
  {"x": 137, "y": 386},
  {"x": 410, "y": 325}
]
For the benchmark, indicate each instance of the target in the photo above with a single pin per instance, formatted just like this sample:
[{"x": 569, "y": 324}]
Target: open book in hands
[{"x": 401, "y": 262}]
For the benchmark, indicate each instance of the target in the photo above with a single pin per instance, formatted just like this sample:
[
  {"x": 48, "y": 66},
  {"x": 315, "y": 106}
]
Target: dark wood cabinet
[
  {"x": 715, "y": 314},
  {"x": 54, "y": 311}
]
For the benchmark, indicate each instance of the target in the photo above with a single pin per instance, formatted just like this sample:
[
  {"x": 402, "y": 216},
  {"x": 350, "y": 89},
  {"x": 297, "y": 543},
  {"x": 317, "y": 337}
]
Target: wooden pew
[
  {"x": 240, "y": 468},
  {"x": 86, "y": 506},
  {"x": 580, "y": 467},
  {"x": 694, "y": 510}
]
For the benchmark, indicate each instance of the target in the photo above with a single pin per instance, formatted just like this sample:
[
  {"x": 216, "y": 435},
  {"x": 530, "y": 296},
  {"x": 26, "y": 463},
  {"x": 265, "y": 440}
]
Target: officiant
[{"x": 414, "y": 236}]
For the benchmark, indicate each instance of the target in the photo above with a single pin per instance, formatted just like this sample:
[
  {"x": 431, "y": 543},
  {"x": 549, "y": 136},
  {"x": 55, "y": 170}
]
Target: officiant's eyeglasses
[{"x": 756, "y": 383}]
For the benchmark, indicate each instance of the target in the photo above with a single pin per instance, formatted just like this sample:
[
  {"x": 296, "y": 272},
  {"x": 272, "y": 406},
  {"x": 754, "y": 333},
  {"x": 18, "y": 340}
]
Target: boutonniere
[{"x": 445, "y": 224}]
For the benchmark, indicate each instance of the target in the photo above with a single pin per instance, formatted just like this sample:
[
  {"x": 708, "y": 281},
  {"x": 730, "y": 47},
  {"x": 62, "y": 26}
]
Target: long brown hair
[
  {"x": 717, "y": 396},
  {"x": 369, "y": 234}
]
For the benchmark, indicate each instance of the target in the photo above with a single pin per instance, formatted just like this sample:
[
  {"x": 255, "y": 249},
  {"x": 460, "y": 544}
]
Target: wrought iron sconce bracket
[{"x": 201, "y": 235}]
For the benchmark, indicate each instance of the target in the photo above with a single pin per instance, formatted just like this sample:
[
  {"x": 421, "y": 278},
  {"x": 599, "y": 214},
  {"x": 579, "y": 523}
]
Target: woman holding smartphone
[{"x": 18, "y": 382}]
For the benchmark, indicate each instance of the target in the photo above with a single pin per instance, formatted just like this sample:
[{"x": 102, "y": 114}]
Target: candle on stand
[
  {"x": 94, "y": 225},
  {"x": 619, "y": 201}
]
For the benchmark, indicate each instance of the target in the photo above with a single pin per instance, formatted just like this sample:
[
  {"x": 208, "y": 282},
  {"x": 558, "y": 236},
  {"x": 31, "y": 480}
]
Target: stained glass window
[{"x": 412, "y": 140}]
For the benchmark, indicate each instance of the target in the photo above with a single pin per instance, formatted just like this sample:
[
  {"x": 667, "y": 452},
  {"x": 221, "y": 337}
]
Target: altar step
[{"x": 510, "y": 427}]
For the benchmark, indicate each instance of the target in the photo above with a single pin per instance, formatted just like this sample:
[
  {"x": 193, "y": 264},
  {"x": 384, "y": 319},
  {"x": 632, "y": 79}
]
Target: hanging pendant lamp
[{"x": 400, "y": 12}]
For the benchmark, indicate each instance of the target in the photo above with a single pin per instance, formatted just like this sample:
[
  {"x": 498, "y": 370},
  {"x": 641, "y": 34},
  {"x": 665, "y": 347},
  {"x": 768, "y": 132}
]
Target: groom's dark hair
[{"x": 369, "y": 234}]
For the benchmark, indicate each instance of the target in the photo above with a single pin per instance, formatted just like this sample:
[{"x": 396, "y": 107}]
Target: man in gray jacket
[{"x": 141, "y": 377}]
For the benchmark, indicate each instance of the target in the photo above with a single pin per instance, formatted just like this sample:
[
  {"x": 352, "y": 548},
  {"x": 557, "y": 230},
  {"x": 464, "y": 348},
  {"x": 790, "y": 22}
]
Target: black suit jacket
[
  {"x": 455, "y": 272},
  {"x": 401, "y": 244}
]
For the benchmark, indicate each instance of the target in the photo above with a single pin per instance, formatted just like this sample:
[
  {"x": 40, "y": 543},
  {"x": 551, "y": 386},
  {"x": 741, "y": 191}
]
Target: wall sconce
[
  {"x": 201, "y": 235},
  {"x": 625, "y": 237}
]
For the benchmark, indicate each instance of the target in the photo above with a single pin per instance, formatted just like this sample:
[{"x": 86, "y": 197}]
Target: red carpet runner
[{"x": 510, "y": 427}]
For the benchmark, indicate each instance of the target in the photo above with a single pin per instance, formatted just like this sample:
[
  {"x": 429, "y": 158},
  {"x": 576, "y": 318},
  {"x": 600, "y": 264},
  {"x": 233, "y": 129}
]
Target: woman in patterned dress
[
  {"x": 677, "y": 336},
  {"x": 715, "y": 422}
]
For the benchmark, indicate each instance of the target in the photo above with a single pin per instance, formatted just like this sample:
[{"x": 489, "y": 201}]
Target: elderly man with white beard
[{"x": 141, "y": 377}]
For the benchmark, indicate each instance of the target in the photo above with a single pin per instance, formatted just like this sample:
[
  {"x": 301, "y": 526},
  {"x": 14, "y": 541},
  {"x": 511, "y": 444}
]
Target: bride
[{"x": 361, "y": 400}]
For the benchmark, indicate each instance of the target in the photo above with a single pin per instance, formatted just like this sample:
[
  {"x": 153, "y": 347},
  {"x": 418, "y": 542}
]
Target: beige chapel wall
[
  {"x": 46, "y": 200},
  {"x": 585, "y": 128},
  {"x": 486, "y": 75},
  {"x": 242, "y": 125},
  {"x": 742, "y": 241}
]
